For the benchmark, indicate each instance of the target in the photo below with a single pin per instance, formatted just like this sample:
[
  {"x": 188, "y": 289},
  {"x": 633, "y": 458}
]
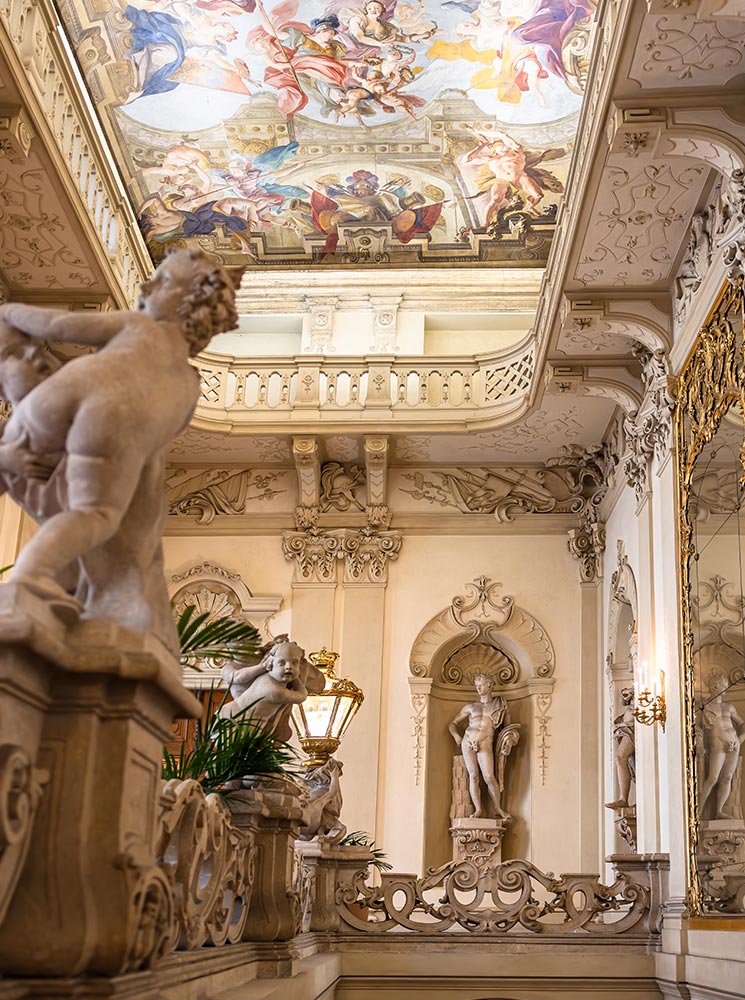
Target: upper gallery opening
[{"x": 340, "y": 133}]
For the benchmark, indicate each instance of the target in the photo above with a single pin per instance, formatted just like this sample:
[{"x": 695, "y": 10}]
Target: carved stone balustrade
[
  {"x": 514, "y": 894},
  {"x": 333, "y": 868},
  {"x": 312, "y": 390},
  {"x": 84, "y": 711},
  {"x": 273, "y": 809},
  {"x": 209, "y": 863}
]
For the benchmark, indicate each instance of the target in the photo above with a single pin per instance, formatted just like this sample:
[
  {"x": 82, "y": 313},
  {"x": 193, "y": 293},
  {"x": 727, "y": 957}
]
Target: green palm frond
[
  {"x": 222, "y": 638},
  {"x": 361, "y": 839},
  {"x": 226, "y": 749}
]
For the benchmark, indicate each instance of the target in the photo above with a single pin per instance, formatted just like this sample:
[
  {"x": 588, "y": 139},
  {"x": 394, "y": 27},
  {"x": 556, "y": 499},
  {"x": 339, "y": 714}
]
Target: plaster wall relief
[
  {"x": 482, "y": 634},
  {"x": 638, "y": 221},
  {"x": 208, "y": 493},
  {"x": 622, "y": 645},
  {"x": 686, "y": 49},
  {"x": 215, "y": 591}
]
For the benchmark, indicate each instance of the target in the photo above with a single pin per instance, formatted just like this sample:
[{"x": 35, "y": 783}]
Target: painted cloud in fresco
[{"x": 281, "y": 131}]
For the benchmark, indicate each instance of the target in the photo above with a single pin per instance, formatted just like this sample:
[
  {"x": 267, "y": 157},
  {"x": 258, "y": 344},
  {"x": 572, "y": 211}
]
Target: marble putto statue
[
  {"x": 83, "y": 450},
  {"x": 486, "y": 743},
  {"x": 268, "y": 689},
  {"x": 723, "y": 743}
]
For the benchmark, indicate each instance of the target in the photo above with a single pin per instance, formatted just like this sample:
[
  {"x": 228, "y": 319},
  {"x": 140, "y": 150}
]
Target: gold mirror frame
[{"x": 712, "y": 379}]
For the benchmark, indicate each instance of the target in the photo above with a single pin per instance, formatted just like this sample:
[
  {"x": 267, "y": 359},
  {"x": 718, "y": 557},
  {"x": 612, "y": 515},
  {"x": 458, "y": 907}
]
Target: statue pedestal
[
  {"x": 333, "y": 868},
  {"x": 723, "y": 839},
  {"x": 478, "y": 840},
  {"x": 625, "y": 820},
  {"x": 84, "y": 712},
  {"x": 274, "y": 810}
]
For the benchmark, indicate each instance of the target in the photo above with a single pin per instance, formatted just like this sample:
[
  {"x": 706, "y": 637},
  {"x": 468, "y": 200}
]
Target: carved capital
[
  {"x": 315, "y": 554},
  {"x": 587, "y": 544},
  {"x": 367, "y": 554}
]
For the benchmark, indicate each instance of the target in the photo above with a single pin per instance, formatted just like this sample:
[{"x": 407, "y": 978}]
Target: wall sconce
[
  {"x": 649, "y": 702},
  {"x": 322, "y": 719}
]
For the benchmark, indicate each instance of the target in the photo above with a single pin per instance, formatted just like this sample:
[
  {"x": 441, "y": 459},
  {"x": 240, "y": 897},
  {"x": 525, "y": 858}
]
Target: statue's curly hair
[{"x": 209, "y": 306}]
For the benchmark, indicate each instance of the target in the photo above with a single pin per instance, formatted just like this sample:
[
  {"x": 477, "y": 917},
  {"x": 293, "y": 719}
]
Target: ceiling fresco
[{"x": 340, "y": 132}]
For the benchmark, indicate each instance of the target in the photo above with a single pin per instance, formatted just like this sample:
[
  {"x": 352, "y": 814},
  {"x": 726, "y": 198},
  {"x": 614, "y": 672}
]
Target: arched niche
[
  {"x": 621, "y": 653},
  {"x": 220, "y": 593},
  {"x": 482, "y": 631}
]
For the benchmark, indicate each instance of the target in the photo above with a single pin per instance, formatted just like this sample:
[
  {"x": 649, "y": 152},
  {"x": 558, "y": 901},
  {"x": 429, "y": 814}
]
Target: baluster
[
  {"x": 331, "y": 388},
  {"x": 402, "y": 387},
  {"x": 263, "y": 390},
  {"x": 354, "y": 389},
  {"x": 467, "y": 388},
  {"x": 284, "y": 392},
  {"x": 423, "y": 387}
]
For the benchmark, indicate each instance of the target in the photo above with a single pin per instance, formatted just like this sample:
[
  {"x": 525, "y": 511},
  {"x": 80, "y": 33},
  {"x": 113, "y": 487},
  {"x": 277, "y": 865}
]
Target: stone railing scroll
[
  {"x": 209, "y": 863},
  {"x": 514, "y": 894}
]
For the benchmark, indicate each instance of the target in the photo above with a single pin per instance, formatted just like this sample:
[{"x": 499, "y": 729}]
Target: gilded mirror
[{"x": 710, "y": 430}]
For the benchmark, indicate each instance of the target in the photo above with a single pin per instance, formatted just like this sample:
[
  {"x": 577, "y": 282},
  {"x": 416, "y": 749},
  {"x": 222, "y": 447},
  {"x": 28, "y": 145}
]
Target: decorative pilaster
[
  {"x": 385, "y": 314},
  {"x": 365, "y": 554}
]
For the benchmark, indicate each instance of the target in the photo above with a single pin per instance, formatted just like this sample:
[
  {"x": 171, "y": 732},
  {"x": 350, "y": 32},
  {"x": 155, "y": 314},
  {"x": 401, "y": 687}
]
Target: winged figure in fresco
[
  {"x": 364, "y": 199},
  {"x": 499, "y": 167}
]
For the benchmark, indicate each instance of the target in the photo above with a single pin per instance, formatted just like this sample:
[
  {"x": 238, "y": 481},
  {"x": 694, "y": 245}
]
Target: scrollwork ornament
[
  {"x": 494, "y": 899},
  {"x": 712, "y": 381},
  {"x": 21, "y": 787}
]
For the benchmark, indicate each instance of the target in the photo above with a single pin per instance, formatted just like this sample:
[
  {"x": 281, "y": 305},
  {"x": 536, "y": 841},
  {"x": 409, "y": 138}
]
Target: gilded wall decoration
[
  {"x": 711, "y": 394},
  {"x": 335, "y": 133}
]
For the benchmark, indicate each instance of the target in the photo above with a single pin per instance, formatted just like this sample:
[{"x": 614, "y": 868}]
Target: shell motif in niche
[
  {"x": 213, "y": 599},
  {"x": 479, "y": 658}
]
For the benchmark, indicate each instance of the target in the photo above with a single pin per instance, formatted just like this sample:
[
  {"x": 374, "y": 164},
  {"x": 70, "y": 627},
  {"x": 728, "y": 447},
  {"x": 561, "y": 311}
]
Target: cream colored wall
[{"x": 541, "y": 577}]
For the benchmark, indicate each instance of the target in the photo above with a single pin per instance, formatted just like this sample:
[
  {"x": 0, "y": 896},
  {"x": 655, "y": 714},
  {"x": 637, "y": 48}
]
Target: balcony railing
[{"x": 405, "y": 389}]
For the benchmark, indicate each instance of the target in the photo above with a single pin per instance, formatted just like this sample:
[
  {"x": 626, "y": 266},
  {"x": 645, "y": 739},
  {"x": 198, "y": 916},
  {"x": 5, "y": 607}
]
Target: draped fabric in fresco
[{"x": 333, "y": 132}]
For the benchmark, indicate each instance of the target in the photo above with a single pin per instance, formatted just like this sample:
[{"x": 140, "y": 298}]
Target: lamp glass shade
[{"x": 322, "y": 719}]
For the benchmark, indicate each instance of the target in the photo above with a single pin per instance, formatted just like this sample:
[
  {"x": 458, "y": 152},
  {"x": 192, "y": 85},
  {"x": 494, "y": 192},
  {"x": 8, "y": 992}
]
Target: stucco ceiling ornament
[
  {"x": 339, "y": 486},
  {"x": 208, "y": 493},
  {"x": 649, "y": 430},
  {"x": 585, "y": 472}
]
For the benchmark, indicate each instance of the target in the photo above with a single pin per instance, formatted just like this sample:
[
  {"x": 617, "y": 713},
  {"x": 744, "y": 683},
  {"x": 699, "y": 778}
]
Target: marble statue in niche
[
  {"x": 624, "y": 734},
  {"x": 723, "y": 742},
  {"x": 486, "y": 743},
  {"x": 79, "y": 456},
  {"x": 267, "y": 690}
]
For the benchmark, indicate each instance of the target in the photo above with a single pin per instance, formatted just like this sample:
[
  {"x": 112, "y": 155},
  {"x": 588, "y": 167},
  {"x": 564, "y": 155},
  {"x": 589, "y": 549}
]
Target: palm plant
[
  {"x": 361, "y": 839},
  {"x": 224, "y": 750}
]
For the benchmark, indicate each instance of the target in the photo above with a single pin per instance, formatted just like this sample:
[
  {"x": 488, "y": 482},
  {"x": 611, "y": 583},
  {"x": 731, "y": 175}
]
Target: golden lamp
[{"x": 322, "y": 719}]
